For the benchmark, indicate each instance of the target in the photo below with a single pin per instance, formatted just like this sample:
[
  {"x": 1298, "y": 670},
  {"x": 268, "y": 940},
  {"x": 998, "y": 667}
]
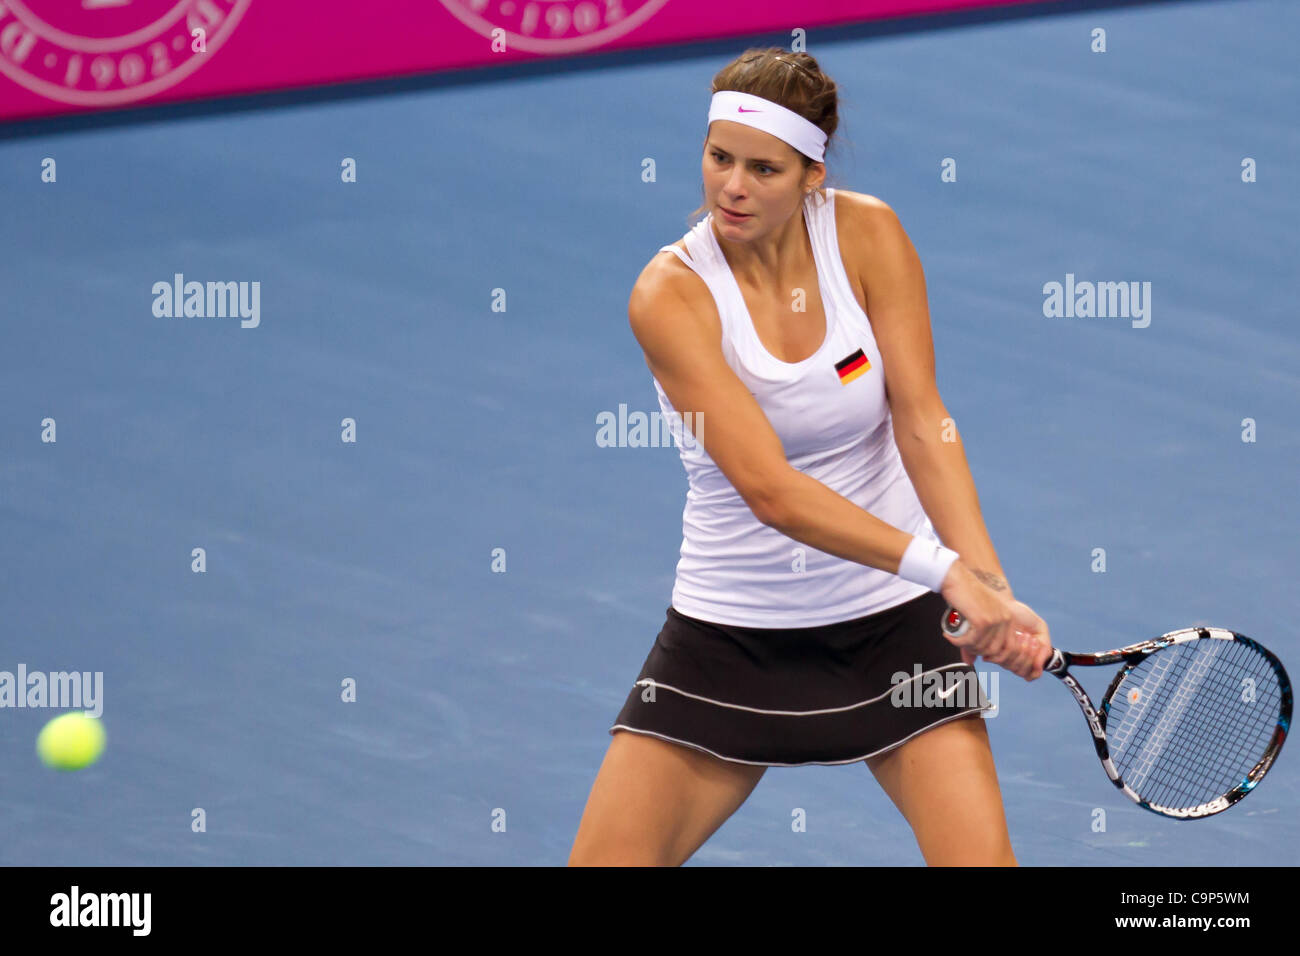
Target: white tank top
[{"x": 832, "y": 416}]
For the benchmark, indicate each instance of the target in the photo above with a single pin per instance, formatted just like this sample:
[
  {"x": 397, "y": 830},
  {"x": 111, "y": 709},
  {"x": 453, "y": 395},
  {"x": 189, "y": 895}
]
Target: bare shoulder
[
  {"x": 669, "y": 298},
  {"x": 666, "y": 273},
  {"x": 866, "y": 213},
  {"x": 872, "y": 240}
]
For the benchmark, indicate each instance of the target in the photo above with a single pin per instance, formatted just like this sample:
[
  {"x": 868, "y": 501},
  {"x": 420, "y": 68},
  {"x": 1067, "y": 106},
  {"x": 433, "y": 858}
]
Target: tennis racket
[{"x": 1190, "y": 724}]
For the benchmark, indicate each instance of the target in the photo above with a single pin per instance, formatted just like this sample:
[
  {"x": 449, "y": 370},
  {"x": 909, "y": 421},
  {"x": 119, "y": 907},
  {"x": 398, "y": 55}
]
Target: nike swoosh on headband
[{"x": 741, "y": 109}]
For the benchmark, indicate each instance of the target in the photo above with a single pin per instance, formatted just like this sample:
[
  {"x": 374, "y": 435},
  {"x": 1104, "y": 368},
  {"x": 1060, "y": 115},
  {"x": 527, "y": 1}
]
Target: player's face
[{"x": 749, "y": 171}]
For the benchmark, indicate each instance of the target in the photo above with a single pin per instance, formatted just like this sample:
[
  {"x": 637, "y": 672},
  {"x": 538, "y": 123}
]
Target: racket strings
[{"x": 1182, "y": 728}]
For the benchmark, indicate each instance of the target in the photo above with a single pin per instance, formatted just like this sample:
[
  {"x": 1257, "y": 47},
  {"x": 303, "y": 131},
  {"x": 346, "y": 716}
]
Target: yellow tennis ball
[{"x": 70, "y": 741}]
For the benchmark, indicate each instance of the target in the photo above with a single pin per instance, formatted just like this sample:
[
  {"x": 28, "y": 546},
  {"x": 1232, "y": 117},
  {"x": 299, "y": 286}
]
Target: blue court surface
[{"x": 485, "y": 696}]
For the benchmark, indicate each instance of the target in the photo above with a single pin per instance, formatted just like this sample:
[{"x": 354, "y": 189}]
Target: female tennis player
[{"x": 830, "y": 516}]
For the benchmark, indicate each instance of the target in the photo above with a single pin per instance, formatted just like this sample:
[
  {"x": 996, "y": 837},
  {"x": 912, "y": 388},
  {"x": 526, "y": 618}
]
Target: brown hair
[{"x": 794, "y": 80}]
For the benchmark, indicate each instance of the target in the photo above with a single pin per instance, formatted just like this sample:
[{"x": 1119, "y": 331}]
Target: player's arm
[
  {"x": 681, "y": 338},
  {"x": 928, "y": 442}
]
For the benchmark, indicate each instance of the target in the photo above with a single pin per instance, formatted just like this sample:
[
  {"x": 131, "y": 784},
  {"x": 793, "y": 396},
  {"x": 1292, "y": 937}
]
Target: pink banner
[{"x": 67, "y": 56}]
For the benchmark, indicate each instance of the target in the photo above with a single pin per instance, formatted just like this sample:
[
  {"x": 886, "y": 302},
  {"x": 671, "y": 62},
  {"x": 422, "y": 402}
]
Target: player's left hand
[{"x": 1032, "y": 633}]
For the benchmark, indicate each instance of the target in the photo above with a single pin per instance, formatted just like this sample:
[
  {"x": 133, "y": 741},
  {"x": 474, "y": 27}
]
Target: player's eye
[{"x": 721, "y": 157}]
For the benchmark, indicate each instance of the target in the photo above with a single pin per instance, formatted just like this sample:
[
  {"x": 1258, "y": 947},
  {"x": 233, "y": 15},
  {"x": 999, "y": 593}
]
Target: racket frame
[{"x": 1059, "y": 666}]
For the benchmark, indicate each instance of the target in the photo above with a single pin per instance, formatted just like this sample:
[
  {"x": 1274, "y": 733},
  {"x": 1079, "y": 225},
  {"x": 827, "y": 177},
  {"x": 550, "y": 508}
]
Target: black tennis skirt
[{"x": 784, "y": 697}]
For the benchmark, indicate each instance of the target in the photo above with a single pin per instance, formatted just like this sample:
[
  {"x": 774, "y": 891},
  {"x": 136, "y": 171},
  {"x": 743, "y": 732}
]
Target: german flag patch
[{"x": 852, "y": 367}]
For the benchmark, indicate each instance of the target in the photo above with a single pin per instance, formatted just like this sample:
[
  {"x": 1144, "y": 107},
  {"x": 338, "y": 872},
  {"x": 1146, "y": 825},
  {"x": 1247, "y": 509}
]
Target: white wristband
[{"x": 926, "y": 562}]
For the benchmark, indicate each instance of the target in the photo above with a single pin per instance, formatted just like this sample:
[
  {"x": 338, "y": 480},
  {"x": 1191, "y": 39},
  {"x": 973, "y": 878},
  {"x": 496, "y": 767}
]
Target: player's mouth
[{"x": 734, "y": 216}]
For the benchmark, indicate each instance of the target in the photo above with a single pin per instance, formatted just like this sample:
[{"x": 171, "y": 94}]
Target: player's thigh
[
  {"x": 654, "y": 802},
  {"x": 944, "y": 783}
]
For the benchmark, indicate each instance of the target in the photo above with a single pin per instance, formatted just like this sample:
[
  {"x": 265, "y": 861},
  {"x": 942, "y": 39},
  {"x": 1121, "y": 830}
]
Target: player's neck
[{"x": 771, "y": 261}]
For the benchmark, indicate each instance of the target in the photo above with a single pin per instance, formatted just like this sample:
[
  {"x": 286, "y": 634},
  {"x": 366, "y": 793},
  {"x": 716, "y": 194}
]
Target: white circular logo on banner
[
  {"x": 109, "y": 52},
  {"x": 553, "y": 26}
]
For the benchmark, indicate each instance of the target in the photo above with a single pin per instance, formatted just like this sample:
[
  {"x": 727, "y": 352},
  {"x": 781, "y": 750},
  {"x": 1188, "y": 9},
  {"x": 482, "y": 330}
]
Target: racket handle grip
[{"x": 954, "y": 625}]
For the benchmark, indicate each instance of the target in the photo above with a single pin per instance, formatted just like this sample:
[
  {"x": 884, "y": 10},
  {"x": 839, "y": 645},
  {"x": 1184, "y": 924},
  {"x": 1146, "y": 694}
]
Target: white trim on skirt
[
  {"x": 822, "y": 763},
  {"x": 651, "y": 682}
]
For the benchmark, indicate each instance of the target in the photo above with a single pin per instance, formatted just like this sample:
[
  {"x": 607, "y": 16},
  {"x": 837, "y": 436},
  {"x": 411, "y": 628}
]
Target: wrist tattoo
[{"x": 991, "y": 580}]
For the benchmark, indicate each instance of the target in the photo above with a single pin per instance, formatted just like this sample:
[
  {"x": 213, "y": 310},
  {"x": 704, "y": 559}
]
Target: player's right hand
[{"x": 1003, "y": 631}]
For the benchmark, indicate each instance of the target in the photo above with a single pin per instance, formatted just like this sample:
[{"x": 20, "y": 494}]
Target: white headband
[{"x": 786, "y": 125}]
